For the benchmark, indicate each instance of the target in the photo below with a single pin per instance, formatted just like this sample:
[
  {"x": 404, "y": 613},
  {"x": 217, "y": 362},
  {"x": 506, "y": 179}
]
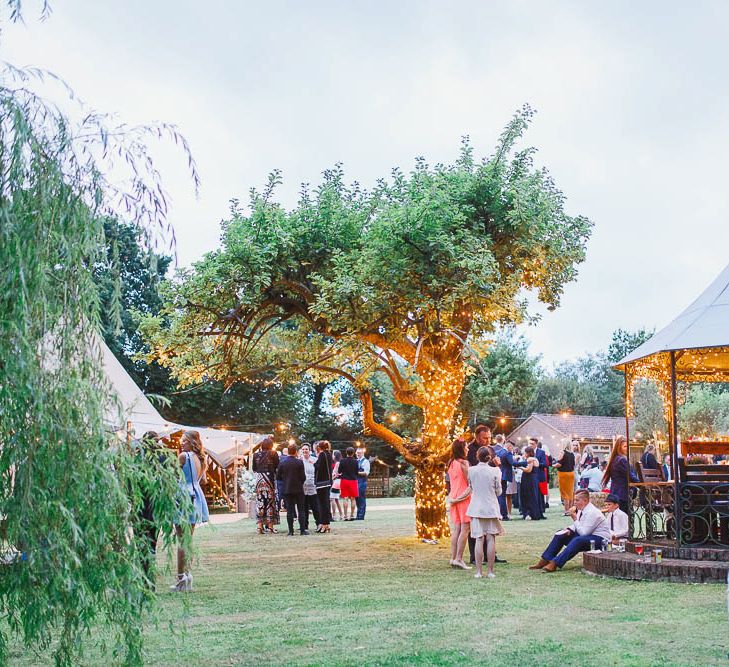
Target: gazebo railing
[
  {"x": 652, "y": 511},
  {"x": 704, "y": 514},
  {"x": 692, "y": 513}
]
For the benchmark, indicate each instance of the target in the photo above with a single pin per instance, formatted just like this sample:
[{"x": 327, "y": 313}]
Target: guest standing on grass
[
  {"x": 589, "y": 526},
  {"x": 279, "y": 483},
  {"x": 530, "y": 504},
  {"x": 336, "y": 491},
  {"x": 511, "y": 486},
  {"x": 363, "y": 472},
  {"x": 292, "y": 474},
  {"x": 265, "y": 464},
  {"x": 506, "y": 464},
  {"x": 543, "y": 458},
  {"x": 349, "y": 472},
  {"x": 518, "y": 472},
  {"x": 481, "y": 438},
  {"x": 193, "y": 461},
  {"x": 619, "y": 474},
  {"x": 311, "y": 499},
  {"x": 484, "y": 510},
  {"x": 323, "y": 479},
  {"x": 566, "y": 474},
  {"x": 459, "y": 498}
]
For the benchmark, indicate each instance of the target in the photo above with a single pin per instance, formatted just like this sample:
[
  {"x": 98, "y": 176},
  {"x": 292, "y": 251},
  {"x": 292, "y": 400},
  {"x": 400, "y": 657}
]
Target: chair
[{"x": 649, "y": 475}]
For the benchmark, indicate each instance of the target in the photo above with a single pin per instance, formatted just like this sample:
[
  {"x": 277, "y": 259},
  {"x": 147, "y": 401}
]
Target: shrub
[{"x": 403, "y": 486}]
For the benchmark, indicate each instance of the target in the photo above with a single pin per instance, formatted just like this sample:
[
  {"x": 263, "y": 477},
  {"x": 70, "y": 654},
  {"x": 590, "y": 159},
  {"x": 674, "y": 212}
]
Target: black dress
[
  {"x": 529, "y": 503},
  {"x": 323, "y": 480}
]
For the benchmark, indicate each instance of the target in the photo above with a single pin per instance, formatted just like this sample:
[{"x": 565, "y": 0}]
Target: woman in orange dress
[{"x": 459, "y": 500}]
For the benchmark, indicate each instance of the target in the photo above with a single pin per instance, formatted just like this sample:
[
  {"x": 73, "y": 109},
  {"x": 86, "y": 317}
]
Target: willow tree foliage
[
  {"x": 70, "y": 487},
  {"x": 406, "y": 279}
]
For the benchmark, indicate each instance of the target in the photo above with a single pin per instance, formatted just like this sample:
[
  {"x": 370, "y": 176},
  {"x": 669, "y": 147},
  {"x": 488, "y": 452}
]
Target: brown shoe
[
  {"x": 551, "y": 566},
  {"x": 539, "y": 565}
]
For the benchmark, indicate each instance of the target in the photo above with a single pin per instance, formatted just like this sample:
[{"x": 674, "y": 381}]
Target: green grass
[{"x": 370, "y": 593}]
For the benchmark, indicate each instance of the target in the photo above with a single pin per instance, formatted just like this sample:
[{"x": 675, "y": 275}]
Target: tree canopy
[{"x": 405, "y": 279}]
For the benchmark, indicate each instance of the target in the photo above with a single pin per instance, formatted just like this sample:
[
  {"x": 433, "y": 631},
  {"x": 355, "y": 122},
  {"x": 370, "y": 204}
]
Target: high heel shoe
[
  {"x": 326, "y": 529},
  {"x": 319, "y": 529}
]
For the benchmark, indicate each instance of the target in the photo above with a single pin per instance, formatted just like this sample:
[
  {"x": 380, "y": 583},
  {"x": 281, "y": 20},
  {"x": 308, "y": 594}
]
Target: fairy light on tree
[{"x": 408, "y": 281}]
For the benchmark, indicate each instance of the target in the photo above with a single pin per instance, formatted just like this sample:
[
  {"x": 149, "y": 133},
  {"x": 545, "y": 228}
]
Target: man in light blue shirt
[
  {"x": 593, "y": 477},
  {"x": 363, "y": 471}
]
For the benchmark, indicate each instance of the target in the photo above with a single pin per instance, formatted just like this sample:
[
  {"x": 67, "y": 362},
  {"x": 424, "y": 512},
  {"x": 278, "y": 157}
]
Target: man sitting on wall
[
  {"x": 616, "y": 519},
  {"x": 589, "y": 526}
]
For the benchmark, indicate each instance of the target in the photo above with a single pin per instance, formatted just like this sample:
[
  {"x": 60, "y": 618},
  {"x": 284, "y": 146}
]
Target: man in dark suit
[
  {"x": 481, "y": 438},
  {"x": 292, "y": 474},
  {"x": 507, "y": 473}
]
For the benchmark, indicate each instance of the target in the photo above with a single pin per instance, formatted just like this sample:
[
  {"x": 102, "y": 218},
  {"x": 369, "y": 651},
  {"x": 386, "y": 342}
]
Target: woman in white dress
[{"x": 485, "y": 480}]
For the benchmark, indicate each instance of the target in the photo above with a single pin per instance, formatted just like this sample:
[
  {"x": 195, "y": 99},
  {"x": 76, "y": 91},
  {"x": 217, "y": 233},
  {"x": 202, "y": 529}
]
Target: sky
[{"x": 632, "y": 116}]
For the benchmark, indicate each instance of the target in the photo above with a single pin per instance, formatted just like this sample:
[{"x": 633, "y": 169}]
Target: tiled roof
[{"x": 586, "y": 426}]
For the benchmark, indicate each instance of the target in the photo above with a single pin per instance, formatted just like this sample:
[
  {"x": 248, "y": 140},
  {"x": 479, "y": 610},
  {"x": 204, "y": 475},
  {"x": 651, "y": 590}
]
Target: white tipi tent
[{"x": 221, "y": 445}]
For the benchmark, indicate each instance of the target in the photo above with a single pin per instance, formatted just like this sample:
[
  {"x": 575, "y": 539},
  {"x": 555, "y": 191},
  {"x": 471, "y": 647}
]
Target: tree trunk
[
  {"x": 431, "y": 521},
  {"x": 317, "y": 399},
  {"x": 428, "y": 454},
  {"x": 443, "y": 391}
]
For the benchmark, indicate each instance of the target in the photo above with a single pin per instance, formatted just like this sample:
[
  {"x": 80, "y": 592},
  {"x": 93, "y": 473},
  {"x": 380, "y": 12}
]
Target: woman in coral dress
[{"x": 459, "y": 500}]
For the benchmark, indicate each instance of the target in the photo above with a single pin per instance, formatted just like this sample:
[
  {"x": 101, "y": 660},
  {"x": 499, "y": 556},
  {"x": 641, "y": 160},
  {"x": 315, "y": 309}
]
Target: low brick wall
[{"x": 628, "y": 566}]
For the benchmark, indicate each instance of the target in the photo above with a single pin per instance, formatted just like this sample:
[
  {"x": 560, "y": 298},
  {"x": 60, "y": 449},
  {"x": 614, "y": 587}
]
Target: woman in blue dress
[
  {"x": 194, "y": 463},
  {"x": 529, "y": 504}
]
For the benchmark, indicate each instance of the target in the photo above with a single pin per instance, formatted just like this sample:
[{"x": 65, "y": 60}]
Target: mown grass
[{"x": 371, "y": 594}]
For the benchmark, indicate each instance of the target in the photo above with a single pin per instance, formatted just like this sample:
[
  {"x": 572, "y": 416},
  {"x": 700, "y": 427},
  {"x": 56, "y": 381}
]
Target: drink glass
[{"x": 639, "y": 551}]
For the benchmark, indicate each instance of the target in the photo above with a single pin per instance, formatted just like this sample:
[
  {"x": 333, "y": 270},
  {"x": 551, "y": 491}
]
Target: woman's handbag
[{"x": 324, "y": 483}]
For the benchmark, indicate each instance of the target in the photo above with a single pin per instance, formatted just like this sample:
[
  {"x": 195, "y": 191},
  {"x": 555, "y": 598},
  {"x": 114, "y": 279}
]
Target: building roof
[
  {"x": 590, "y": 427},
  {"x": 704, "y": 324}
]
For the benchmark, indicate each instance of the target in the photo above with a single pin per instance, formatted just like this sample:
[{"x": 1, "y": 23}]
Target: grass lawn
[{"x": 370, "y": 593}]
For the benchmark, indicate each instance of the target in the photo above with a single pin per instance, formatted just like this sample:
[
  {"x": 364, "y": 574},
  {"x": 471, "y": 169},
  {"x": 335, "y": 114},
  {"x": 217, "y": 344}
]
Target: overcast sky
[{"x": 632, "y": 101}]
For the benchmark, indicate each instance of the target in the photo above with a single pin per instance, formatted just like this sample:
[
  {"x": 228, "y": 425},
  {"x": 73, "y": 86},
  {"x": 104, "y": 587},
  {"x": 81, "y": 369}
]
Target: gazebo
[{"x": 687, "y": 517}]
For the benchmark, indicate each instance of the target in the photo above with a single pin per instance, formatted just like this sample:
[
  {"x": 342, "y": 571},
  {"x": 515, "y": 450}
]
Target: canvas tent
[{"x": 133, "y": 408}]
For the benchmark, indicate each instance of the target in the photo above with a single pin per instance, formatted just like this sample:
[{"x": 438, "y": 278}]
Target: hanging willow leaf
[{"x": 70, "y": 491}]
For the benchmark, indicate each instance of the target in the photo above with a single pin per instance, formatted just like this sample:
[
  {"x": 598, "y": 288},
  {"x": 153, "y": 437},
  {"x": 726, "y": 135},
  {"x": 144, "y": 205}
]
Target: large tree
[{"x": 404, "y": 279}]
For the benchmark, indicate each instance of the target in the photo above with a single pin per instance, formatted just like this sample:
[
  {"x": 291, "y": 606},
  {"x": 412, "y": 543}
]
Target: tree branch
[
  {"x": 371, "y": 427},
  {"x": 404, "y": 348}
]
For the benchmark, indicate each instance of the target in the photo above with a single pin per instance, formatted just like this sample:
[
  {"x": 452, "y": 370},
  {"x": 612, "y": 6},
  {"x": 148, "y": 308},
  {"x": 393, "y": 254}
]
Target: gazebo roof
[{"x": 700, "y": 328}]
